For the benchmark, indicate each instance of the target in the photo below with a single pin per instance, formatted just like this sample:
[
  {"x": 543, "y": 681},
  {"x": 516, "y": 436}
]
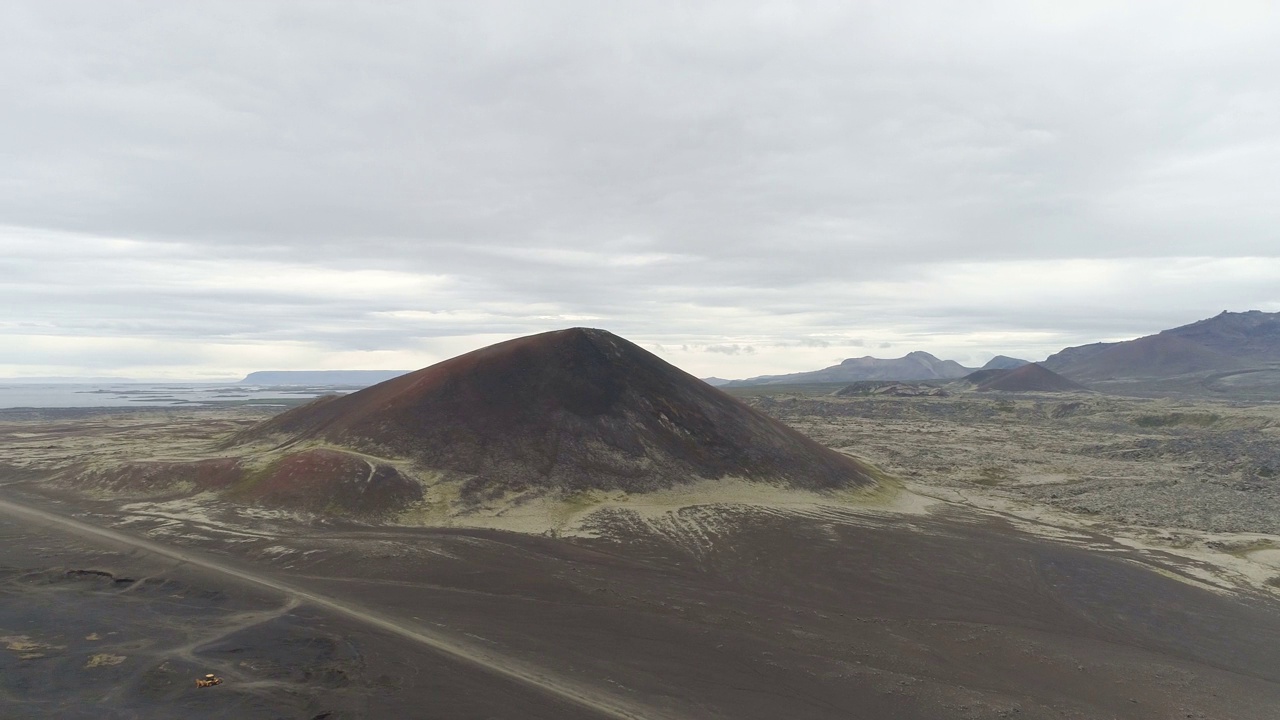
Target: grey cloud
[
  {"x": 412, "y": 124},
  {"x": 733, "y": 349},
  {"x": 690, "y": 174}
]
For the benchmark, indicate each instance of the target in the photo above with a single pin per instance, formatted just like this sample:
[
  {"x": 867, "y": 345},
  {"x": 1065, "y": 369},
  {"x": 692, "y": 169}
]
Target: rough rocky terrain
[
  {"x": 1159, "y": 465},
  {"x": 729, "y": 609},
  {"x": 1039, "y": 556}
]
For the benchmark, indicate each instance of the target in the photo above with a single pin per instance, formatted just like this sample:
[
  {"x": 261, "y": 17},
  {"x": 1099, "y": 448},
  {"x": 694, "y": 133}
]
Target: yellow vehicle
[{"x": 208, "y": 681}]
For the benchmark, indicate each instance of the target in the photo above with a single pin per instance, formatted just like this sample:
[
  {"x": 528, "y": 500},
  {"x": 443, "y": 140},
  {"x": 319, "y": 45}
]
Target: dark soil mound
[
  {"x": 1032, "y": 377},
  {"x": 985, "y": 375},
  {"x": 570, "y": 409},
  {"x": 331, "y": 482}
]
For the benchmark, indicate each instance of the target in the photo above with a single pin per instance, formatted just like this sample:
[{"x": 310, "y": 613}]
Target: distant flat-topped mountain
[
  {"x": 1004, "y": 362},
  {"x": 913, "y": 366},
  {"x": 336, "y": 378},
  {"x": 1031, "y": 377},
  {"x": 1225, "y": 343},
  {"x": 568, "y": 410}
]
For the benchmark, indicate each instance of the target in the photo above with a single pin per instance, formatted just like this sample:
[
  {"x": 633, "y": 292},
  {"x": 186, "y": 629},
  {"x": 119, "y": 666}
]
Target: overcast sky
[{"x": 198, "y": 190}]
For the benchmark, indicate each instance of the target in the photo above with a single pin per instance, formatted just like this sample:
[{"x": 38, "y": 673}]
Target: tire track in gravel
[{"x": 517, "y": 672}]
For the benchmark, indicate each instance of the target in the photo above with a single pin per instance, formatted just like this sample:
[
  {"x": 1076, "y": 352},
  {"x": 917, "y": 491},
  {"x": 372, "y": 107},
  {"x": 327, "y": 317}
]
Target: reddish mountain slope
[
  {"x": 315, "y": 480},
  {"x": 570, "y": 409},
  {"x": 328, "y": 481}
]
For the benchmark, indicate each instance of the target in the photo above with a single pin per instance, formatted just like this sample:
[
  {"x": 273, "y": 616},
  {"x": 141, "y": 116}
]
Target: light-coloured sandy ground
[{"x": 568, "y": 515}]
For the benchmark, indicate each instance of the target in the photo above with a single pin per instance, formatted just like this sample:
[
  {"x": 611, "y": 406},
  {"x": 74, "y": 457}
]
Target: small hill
[
  {"x": 1004, "y": 362},
  {"x": 327, "y": 482},
  {"x": 1225, "y": 343},
  {"x": 1031, "y": 377},
  {"x": 567, "y": 410},
  {"x": 322, "y": 481},
  {"x": 978, "y": 377},
  {"x": 913, "y": 366}
]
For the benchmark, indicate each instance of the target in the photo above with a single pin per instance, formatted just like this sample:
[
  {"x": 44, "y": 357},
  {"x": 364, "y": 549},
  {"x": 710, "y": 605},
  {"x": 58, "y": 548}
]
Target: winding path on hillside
[{"x": 590, "y": 699}]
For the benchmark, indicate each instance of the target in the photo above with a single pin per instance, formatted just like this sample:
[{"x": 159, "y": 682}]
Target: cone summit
[{"x": 569, "y": 409}]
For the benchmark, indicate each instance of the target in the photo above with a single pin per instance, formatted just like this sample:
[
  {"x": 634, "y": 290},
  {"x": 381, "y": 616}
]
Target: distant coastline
[{"x": 340, "y": 378}]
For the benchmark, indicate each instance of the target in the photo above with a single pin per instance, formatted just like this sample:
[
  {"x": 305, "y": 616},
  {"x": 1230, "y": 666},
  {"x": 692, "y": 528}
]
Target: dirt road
[{"x": 590, "y": 699}]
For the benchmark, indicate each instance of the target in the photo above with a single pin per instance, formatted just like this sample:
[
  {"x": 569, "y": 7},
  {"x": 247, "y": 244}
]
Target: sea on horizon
[{"x": 136, "y": 394}]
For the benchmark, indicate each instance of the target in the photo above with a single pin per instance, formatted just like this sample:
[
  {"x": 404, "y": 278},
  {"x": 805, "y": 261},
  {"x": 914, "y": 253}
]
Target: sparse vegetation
[
  {"x": 1175, "y": 419},
  {"x": 992, "y": 475},
  {"x": 1243, "y": 549},
  {"x": 1208, "y": 466}
]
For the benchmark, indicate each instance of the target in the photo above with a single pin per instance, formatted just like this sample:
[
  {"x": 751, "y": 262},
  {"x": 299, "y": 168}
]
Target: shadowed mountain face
[
  {"x": 1031, "y": 377},
  {"x": 1003, "y": 362},
  {"x": 570, "y": 409},
  {"x": 1227, "y": 342},
  {"x": 1252, "y": 335},
  {"x": 912, "y": 366}
]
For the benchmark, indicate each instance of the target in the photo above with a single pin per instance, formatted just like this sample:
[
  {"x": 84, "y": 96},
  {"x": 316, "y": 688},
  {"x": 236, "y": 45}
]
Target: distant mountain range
[
  {"x": 1231, "y": 351},
  {"x": 912, "y": 366},
  {"x": 336, "y": 378},
  {"x": 1004, "y": 362},
  {"x": 1225, "y": 343}
]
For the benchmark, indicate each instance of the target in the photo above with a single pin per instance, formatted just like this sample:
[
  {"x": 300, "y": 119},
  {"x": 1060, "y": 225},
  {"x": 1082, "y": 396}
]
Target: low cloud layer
[{"x": 205, "y": 190}]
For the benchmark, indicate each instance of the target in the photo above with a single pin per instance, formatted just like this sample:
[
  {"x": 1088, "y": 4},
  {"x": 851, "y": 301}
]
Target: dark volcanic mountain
[
  {"x": 912, "y": 366},
  {"x": 1251, "y": 336},
  {"x": 570, "y": 409},
  {"x": 1031, "y": 377},
  {"x": 1227, "y": 342}
]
